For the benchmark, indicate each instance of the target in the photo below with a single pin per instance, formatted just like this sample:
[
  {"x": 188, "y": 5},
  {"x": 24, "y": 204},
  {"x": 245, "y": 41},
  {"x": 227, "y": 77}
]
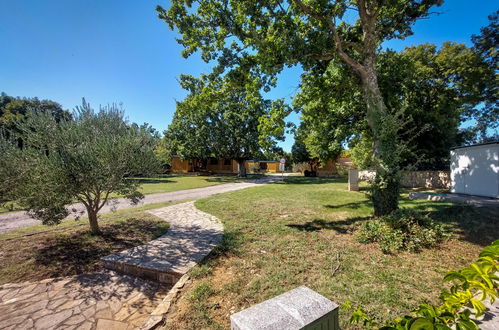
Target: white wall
[{"x": 475, "y": 170}]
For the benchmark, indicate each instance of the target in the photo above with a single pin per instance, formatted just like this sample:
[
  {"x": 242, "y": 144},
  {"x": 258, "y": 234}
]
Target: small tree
[{"x": 86, "y": 158}]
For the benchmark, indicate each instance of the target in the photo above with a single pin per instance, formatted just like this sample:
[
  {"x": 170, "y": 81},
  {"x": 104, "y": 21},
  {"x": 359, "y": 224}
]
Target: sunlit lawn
[
  {"x": 284, "y": 235},
  {"x": 167, "y": 183},
  {"x": 170, "y": 183}
]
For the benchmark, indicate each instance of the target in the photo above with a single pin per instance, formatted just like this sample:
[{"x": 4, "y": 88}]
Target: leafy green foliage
[
  {"x": 471, "y": 286},
  {"x": 263, "y": 37},
  {"x": 438, "y": 88},
  {"x": 404, "y": 229},
  {"x": 486, "y": 44},
  {"x": 224, "y": 119},
  {"x": 84, "y": 158}
]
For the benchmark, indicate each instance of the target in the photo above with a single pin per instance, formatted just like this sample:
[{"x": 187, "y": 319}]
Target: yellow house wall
[
  {"x": 179, "y": 165},
  {"x": 221, "y": 168},
  {"x": 328, "y": 168},
  {"x": 272, "y": 167}
]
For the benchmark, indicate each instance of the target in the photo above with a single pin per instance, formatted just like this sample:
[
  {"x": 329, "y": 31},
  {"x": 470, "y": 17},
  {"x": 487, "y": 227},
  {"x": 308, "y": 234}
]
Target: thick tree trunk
[
  {"x": 93, "y": 220},
  {"x": 242, "y": 168},
  {"x": 384, "y": 126}
]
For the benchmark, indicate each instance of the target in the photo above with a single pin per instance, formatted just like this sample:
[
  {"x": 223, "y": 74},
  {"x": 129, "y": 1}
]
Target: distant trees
[
  {"x": 14, "y": 109},
  {"x": 223, "y": 118},
  {"x": 85, "y": 158}
]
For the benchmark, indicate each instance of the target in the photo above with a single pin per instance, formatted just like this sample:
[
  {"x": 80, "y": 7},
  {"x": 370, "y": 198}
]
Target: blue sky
[{"x": 119, "y": 51}]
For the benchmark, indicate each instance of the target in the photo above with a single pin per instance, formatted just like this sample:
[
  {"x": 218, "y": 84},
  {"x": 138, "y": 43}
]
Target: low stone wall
[{"x": 416, "y": 179}]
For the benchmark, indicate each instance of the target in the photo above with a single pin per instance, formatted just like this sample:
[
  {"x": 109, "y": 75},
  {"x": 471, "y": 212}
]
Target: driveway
[{"x": 14, "y": 220}]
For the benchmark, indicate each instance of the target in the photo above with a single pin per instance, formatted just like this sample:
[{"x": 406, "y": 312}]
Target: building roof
[{"x": 476, "y": 145}]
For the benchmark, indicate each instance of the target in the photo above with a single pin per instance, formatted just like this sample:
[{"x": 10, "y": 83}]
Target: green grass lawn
[
  {"x": 168, "y": 183},
  {"x": 302, "y": 232},
  {"x": 39, "y": 252}
]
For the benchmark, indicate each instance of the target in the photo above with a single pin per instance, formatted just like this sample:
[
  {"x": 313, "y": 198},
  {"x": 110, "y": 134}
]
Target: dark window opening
[
  {"x": 227, "y": 162},
  {"x": 213, "y": 161}
]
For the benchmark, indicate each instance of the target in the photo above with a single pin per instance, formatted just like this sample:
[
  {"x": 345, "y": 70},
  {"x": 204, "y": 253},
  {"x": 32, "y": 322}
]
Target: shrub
[
  {"x": 254, "y": 168},
  {"x": 404, "y": 229},
  {"x": 301, "y": 167}
]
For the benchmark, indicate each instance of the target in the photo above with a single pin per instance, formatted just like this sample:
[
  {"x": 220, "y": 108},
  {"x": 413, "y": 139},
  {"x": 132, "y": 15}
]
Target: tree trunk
[
  {"x": 93, "y": 220},
  {"x": 242, "y": 168},
  {"x": 384, "y": 126}
]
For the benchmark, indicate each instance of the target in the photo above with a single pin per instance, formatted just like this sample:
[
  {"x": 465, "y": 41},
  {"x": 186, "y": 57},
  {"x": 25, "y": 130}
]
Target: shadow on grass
[
  {"x": 311, "y": 180},
  {"x": 343, "y": 226},
  {"x": 352, "y": 205},
  {"x": 478, "y": 225},
  {"x": 80, "y": 251},
  {"x": 152, "y": 180}
]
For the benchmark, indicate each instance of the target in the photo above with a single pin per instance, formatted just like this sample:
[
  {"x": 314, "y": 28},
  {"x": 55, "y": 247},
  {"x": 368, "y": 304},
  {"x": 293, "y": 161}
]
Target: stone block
[
  {"x": 301, "y": 308},
  {"x": 353, "y": 180}
]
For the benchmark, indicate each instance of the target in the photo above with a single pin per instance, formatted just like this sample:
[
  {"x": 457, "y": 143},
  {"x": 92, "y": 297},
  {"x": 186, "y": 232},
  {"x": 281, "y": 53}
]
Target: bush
[
  {"x": 404, "y": 229},
  {"x": 301, "y": 167},
  {"x": 254, "y": 168}
]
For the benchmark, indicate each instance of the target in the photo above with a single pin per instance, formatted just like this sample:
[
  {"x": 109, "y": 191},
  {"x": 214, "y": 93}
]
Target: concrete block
[
  {"x": 353, "y": 180},
  {"x": 301, "y": 308}
]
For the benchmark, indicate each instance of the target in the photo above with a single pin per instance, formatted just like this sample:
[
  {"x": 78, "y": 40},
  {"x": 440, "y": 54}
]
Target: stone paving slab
[
  {"x": 456, "y": 198},
  {"x": 191, "y": 237},
  {"x": 102, "y": 300}
]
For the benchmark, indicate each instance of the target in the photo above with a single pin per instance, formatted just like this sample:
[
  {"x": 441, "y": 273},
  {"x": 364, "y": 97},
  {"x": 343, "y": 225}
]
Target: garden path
[
  {"x": 14, "y": 220},
  {"x": 191, "y": 237},
  {"x": 101, "y": 300}
]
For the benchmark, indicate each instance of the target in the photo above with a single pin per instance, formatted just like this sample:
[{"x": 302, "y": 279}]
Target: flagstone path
[
  {"x": 191, "y": 237},
  {"x": 102, "y": 300}
]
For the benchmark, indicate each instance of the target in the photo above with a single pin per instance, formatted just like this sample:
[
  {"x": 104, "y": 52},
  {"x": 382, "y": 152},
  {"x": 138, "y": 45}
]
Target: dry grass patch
[
  {"x": 37, "y": 253},
  {"x": 303, "y": 232}
]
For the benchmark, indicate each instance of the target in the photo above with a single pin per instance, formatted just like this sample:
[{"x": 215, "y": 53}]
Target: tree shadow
[
  {"x": 352, "y": 205},
  {"x": 151, "y": 180},
  {"x": 80, "y": 251},
  {"x": 311, "y": 180},
  {"x": 477, "y": 225},
  {"x": 341, "y": 226}
]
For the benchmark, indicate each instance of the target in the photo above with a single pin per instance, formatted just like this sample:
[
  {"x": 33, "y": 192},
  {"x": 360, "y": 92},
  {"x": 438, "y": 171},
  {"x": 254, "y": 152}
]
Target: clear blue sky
[{"x": 119, "y": 51}]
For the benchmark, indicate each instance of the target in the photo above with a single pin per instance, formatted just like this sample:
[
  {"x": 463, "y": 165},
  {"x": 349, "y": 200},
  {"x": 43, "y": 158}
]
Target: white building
[{"x": 474, "y": 170}]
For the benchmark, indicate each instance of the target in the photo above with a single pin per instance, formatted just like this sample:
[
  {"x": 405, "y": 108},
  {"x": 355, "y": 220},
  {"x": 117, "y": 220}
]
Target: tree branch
[{"x": 352, "y": 63}]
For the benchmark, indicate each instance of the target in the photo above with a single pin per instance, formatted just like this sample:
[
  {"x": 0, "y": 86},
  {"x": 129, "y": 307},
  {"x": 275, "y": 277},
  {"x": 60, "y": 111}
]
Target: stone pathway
[
  {"x": 456, "y": 198},
  {"x": 102, "y": 300},
  {"x": 191, "y": 236},
  {"x": 14, "y": 220}
]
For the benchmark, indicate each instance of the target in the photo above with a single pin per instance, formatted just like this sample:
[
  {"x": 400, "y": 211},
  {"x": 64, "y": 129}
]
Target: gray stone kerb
[{"x": 191, "y": 237}]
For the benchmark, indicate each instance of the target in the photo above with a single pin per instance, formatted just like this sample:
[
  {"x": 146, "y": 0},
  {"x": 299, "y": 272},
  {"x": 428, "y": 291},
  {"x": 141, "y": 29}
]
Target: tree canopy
[
  {"x": 224, "y": 120},
  {"x": 266, "y": 36},
  {"x": 85, "y": 158},
  {"x": 438, "y": 88}
]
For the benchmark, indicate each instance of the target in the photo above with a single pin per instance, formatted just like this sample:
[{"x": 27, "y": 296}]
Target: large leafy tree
[
  {"x": 224, "y": 119},
  {"x": 486, "y": 44},
  {"x": 269, "y": 35},
  {"x": 437, "y": 88},
  {"x": 13, "y": 109},
  {"x": 86, "y": 158}
]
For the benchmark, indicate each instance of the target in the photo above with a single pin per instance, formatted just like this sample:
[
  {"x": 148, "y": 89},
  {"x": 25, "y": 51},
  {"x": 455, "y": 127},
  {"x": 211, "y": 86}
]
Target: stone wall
[{"x": 416, "y": 179}]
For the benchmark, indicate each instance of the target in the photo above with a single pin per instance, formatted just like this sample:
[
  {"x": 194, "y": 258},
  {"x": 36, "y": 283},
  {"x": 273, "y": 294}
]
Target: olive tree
[{"x": 85, "y": 158}]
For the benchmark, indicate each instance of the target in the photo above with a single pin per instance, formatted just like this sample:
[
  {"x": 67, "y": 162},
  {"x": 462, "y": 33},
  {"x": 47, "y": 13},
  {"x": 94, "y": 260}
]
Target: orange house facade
[{"x": 220, "y": 165}]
